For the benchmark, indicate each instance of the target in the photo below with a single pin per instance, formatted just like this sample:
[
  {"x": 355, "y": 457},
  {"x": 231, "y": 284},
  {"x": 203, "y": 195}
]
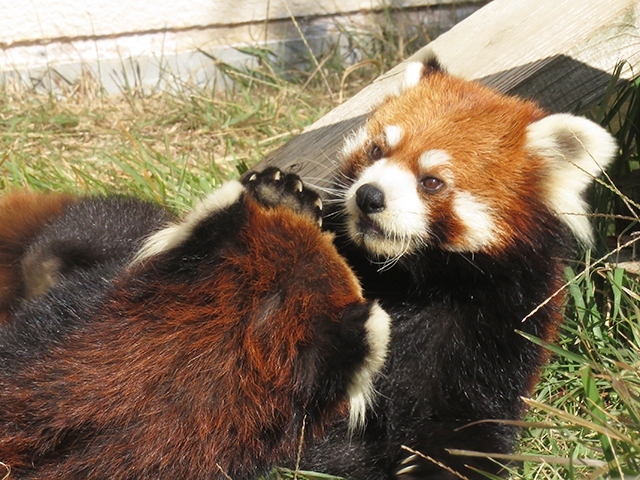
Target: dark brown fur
[
  {"x": 197, "y": 362},
  {"x": 22, "y": 216}
]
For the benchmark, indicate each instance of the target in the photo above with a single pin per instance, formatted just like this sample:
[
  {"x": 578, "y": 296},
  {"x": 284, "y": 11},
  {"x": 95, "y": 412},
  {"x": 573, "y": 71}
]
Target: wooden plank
[{"x": 558, "y": 52}]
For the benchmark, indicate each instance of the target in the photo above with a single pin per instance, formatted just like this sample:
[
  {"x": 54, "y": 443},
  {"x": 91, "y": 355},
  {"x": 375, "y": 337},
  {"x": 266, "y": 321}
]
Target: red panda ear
[
  {"x": 416, "y": 71},
  {"x": 576, "y": 150}
]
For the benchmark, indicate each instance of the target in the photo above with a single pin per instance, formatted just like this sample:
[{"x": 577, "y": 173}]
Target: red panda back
[{"x": 209, "y": 350}]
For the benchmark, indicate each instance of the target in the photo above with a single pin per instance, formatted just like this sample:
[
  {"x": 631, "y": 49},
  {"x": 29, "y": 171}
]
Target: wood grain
[{"x": 558, "y": 52}]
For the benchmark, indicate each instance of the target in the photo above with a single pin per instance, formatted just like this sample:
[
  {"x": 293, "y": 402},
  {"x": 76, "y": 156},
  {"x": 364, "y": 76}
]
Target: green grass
[
  {"x": 176, "y": 146},
  {"x": 171, "y": 147}
]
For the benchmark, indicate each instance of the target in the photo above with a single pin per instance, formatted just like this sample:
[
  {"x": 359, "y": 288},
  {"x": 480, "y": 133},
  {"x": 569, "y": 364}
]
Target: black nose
[{"x": 370, "y": 199}]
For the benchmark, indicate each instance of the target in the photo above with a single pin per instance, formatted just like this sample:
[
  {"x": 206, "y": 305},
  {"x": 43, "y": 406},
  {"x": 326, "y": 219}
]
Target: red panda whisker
[
  {"x": 316, "y": 162},
  {"x": 334, "y": 200},
  {"x": 390, "y": 262},
  {"x": 332, "y": 160},
  {"x": 335, "y": 194},
  {"x": 341, "y": 179},
  {"x": 333, "y": 214}
]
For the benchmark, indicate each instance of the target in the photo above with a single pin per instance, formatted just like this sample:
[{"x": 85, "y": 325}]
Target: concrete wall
[{"x": 150, "y": 42}]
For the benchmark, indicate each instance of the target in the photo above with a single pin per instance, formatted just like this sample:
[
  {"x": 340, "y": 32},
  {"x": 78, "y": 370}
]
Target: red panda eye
[
  {"x": 375, "y": 152},
  {"x": 432, "y": 184}
]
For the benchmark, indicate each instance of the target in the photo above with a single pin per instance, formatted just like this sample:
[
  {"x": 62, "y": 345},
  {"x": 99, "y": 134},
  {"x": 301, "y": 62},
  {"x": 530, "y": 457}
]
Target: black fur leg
[{"x": 272, "y": 188}]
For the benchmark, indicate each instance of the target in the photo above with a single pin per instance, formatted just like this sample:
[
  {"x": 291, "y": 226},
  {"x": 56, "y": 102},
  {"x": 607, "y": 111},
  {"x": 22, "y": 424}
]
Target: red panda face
[{"x": 454, "y": 165}]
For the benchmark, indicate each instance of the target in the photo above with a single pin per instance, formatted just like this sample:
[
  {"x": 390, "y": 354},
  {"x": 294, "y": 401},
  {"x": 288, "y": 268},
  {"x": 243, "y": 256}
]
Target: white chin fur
[
  {"x": 402, "y": 223},
  {"x": 361, "y": 390}
]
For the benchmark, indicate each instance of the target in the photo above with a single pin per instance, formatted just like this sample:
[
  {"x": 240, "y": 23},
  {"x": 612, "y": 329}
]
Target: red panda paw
[{"x": 274, "y": 188}]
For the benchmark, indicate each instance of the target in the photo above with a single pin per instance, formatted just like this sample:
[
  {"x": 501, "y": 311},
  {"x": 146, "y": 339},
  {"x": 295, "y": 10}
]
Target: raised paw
[{"x": 272, "y": 188}]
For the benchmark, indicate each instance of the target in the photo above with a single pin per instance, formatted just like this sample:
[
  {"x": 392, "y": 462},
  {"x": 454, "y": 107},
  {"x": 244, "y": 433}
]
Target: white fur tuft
[
  {"x": 433, "y": 159},
  {"x": 175, "y": 234},
  {"x": 393, "y": 135},
  {"x": 354, "y": 141},
  {"x": 480, "y": 229},
  {"x": 361, "y": 391},
  {"x": 412, "y": 74},
  {"x": 577, "y": 150}
]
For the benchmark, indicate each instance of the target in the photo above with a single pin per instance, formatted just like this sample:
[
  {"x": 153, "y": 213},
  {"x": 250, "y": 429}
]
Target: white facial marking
[
  {"x": 403, "y": 222},
  {"x": 475, "y": 216},
  {"x": 393, "y": 135},
  {"x": 361, "y": 390},
  {"x": 354, "y": 141},
  {"x": 434, "y": 158},
  {"x": 175, "y": 234}
]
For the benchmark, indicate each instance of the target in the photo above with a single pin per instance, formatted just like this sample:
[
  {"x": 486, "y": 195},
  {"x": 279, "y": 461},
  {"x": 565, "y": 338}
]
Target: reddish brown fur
[
  {"x": 202, "y": 364},
  {"x": 485, "y": 132},
  {"x": 22, "y": 216},
  {"x": 481, "y": 130}
]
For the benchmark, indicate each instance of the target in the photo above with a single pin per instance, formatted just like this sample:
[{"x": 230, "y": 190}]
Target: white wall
[
  {"x": 145, "y": 39},
  {"x": 52, "y": 19}
]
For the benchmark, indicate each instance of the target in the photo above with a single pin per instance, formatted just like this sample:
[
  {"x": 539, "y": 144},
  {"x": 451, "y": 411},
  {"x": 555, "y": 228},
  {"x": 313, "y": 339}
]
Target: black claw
[{"x": 273, "y": 188}]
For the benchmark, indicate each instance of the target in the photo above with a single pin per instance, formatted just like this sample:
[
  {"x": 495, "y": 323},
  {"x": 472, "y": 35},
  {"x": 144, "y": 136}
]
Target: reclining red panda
[
  {"x": 456, "y": 206},
  {"x": 199, "y": 350}
]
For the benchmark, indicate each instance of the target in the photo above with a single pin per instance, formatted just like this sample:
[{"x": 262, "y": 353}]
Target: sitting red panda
[
  {"x": 457, "y": 207},
  {"x": 205, "y": 349}
]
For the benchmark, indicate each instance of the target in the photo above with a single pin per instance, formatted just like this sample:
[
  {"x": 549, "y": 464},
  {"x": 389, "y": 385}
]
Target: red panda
[
  {"x": 207, "y": 348},
  {"x": 457, "y": 207}
]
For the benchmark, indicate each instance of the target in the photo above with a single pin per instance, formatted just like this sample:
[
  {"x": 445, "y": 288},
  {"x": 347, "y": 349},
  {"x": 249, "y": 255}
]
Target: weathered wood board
[{"x": 558, "y": 52}]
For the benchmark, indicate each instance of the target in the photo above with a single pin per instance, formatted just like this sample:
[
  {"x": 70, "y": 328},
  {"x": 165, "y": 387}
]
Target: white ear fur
[
  {"x": 412, "y": 74},
  {"x": 577, "y": 150}
]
